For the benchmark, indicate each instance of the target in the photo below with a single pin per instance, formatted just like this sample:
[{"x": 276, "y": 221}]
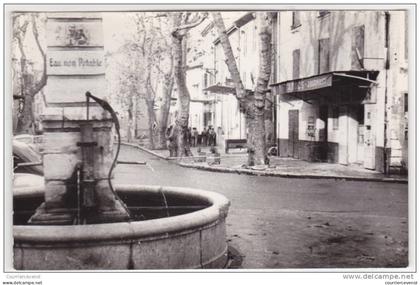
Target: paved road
[{"x": 296, "y": 223}]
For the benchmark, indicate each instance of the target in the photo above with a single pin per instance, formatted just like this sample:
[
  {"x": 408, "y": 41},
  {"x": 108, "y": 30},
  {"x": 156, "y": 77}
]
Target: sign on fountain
[{"x": 77, "y": 184}]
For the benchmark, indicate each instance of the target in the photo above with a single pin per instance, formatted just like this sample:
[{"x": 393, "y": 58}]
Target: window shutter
[
  {"x": 295, "y": 19},
  {"x": 296, "y": 63},
  {"x": 357, "y": 47},
  {"x": 324, "y": 56}
]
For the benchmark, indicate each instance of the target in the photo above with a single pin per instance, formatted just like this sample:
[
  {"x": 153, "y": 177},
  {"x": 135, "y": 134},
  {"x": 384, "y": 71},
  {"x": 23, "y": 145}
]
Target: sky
[{"x": 117, "y": 26}]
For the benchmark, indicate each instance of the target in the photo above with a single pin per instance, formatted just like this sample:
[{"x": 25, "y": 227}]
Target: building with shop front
[{"x": 341, "y": 83}]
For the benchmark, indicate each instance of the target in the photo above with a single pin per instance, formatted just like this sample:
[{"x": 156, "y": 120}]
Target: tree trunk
[
  {"x": 162, "y": 122},
  {"x": 181, "y": 121},
  {"x": 259, "y": 138},
  {"x": 269, "y": 122},
  {"x": 25, "y": 124},
  {"x": 130, "y": 120},
  {"x": 26, "y": 117},
  {"x": 152, "y": 122},
  {"x": 257, "y": 150},
  {"x": 256, "y": 139}
]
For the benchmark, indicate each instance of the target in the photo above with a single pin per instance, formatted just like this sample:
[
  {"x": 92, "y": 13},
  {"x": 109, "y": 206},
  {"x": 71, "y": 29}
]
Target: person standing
[
  {"x": 189, "y": 135},
  {"x": 194, "y": 137},
  {"x": 170, "y": 137},
  {"x": 204, "y": 137},
  {"x": 212, "y": 137}
]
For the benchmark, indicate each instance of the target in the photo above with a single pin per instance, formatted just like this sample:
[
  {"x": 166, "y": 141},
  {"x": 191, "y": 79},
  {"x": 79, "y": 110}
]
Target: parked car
[
  {"x": 26, "y": 159},
  {"x": 28, "y": 172},
  {"x": 26, "y": 183},
  {"x": 33, "y": 141}
]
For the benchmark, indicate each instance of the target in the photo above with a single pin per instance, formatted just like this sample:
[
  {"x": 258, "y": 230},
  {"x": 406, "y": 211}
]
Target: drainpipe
[
  {"x": 239, "y": 69},
  {"x": 273, "y": 75},
  {"x": 387, "y": 66}
]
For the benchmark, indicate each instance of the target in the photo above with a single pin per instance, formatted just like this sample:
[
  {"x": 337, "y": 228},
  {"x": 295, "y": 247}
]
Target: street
[{"x": 295, "y": 223}]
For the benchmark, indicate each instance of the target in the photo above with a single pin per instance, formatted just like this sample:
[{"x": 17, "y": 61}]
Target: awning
[
  {"x": 222, "y": 89},
  {"x": 315, "y": 84}
]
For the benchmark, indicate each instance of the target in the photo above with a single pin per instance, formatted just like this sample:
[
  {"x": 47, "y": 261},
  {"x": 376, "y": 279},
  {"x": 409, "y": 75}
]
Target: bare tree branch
[
  {"x": 19, "y": 34},
  {"x": 43, "y": 79},
  {"x": 190, "y": 25}
]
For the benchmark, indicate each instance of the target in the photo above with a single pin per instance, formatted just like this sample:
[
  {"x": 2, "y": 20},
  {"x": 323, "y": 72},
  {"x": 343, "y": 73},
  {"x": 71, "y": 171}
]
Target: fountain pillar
[{"x": 75, "y": 65}]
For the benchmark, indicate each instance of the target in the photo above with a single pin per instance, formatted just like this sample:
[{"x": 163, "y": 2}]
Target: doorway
[
  {"x": 323, "y": 133},
  {"x": 293, "y": 133},
  {"x": 356, "y": 134},
  {"x": 360, "y": 133}
]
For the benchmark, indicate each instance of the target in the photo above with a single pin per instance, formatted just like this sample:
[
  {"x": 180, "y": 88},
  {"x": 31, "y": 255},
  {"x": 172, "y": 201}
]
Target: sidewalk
[{"x": 235, "y": 162}]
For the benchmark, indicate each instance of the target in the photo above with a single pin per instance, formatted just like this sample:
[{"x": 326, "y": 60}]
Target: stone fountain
[{"x": 79, "y": 221}]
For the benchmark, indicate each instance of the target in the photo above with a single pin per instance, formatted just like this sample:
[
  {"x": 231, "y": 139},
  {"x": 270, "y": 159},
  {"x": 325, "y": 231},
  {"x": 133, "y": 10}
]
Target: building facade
[
  {"x": 340, "y": 81},
  {"x": 199, "y": 75},
  {"x": 241, "y": 29}
]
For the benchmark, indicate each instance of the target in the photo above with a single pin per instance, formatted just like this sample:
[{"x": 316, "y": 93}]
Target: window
[
  {"x": 357, "y": 47},
  {"x": 335, "y": 116},
  {"x": 323, "y": 55},
  {"x": 323, "y": 13},
  {"x": 205, "y": 80},
  {"x": 296, "y": 63},
  {"x": 295, "y": 19},
  {"x": 207, "y": 118}
]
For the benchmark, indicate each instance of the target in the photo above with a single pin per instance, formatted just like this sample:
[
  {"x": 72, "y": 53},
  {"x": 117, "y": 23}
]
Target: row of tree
[{"x": 152, "y": 61}]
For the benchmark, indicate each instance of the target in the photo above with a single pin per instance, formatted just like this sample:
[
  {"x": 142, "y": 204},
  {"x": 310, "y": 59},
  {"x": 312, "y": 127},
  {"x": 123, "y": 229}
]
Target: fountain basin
[{"x": 189, "y": 236}]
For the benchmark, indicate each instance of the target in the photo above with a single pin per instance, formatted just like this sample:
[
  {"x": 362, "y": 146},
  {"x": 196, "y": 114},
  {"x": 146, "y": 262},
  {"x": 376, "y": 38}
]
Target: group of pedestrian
[{"x": 206, "y": 138}]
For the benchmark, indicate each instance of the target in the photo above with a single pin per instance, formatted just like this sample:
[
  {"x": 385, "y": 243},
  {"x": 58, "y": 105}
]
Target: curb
[
  {"x": 147, "y": 150},
  {"x": 269, "y": 174}
]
